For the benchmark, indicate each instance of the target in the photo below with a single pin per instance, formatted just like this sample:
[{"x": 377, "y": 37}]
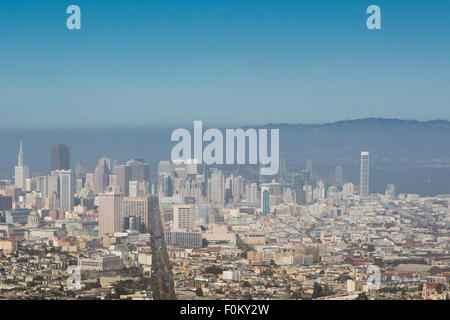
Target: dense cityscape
[{"x": 191, "y": 231}]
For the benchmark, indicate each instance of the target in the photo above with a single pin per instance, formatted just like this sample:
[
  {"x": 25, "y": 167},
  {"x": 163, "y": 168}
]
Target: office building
[
  {"x": 216, "y": 187},
  {"x": 103, "y": 263},
  {"x": 135, "y": 211},
  {"x": 101, "y": 177},
  {"x": 60, "y": 157},
  {"x": 183, "y": 216},
  {"x": 66, "y": 190},
  {"x": 5, "y": 203},
  {"x": 185, "y": 238},
  {"x": 81, "y": 169},
  {"x": 252, "y": 191},
  {"x": 123, "y": 173},
  {"x": 109, "y": 212},
  {"x": 140, "y": 171},
  {"x": 265, "y": 194},
  {"x": 364, "y": 174}
]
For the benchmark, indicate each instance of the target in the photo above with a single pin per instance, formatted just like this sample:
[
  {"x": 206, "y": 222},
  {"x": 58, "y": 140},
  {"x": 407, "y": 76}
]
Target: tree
[
  {"x": 267, "y": 272},
  {"x": 199, "y": 292},
  {"x": 440, "y": 287},
  {"x": 317, "y": 290},
  {"x": 214, "y": 270},
  {"x": 298, "y": 294},
  {"x": 362, "y": 296}
]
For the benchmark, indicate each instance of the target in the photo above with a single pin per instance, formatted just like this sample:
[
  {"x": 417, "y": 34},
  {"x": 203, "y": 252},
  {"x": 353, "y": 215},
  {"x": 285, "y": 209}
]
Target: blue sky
[{"x": 227, "y": 62}]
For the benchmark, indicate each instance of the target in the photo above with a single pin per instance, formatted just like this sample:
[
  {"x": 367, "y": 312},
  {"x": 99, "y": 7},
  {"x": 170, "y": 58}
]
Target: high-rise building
[
  {"x": 101, "y": 177},
  {"x": 347, "y": 190},
  {"x": 140, "y": 171},
  {"x": 42, "y": 185},
  {"x": 165, "y": 167},
  {"x": 123, "y": 173},
  {"x": 136, "y": 208},
  {"x": 114, "y": 181},
  {"x": 109, "y": 212},
  {"x": 252, "y": 190},
  {"x": 5, "y": 203},
  {"x": 216, "y": 187},
  {"x": 134, "y": 188},
  {"x": 21, "y": 171},
  {"x": 66, "y": 189},
  {"x": 166, "y": 185},
  {"x": 81, "y": 169},
  {"x": 338, "y": 176},
  {"x": 107, "y": 161},
  {"x": 364, "y": 174},
  {"x": 265, "y": 194},
  {"x": 53, "y": 184},
  {"x": 390, "y": 191},
  {"x": 89, "y": 180},
  {"x": 60, "y": 157},
  {"x": 309, "y": 167},
  {"x": 183, "y": 216},
  {"x": 237, "y": 187}
]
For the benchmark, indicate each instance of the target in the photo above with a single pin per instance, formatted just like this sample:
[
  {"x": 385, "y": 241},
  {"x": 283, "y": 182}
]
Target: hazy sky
[{"x": 224, "y": 62}]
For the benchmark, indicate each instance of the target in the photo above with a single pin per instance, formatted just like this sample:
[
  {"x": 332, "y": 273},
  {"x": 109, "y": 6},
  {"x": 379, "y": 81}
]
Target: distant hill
[{"x": 389, "y": 139}]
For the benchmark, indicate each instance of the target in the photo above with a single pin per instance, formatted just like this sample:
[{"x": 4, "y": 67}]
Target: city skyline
[{"x": 419, "y": 174}]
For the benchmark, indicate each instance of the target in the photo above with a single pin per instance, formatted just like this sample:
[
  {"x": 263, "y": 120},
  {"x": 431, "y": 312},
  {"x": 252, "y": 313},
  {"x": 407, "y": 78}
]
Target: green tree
[
  {"x": 317, "y": 290},
  {"x": 199, "y": 292}
]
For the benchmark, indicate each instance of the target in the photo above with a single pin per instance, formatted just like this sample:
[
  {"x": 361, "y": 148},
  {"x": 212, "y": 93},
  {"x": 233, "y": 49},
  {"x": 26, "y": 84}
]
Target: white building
[
  {"x": 103, "y": 263},
  {"x": 231, "y": 275},
  {"x": 21, "y": 171},
  {"x": 183, "y": 216}
]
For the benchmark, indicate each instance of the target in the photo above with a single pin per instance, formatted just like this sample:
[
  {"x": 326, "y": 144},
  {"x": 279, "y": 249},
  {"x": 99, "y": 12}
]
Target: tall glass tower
[
  {"x": 364, "y": 174},
  {"x": 265, "y": 208}
]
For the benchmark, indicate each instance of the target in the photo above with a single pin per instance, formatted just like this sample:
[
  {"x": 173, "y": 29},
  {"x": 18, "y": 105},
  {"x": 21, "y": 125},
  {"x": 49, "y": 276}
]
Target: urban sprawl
[{"x": 190, "y": 231}]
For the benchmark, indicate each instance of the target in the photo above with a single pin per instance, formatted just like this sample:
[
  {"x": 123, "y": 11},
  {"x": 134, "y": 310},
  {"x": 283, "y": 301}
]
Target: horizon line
[{"x": 155, "y": 126}]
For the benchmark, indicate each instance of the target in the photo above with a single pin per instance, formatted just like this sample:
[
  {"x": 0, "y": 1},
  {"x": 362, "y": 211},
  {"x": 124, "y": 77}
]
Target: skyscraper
[
  {"x": 309, "y": 167},
  {"x": 109, "y": 212},
  {"x": 101, "y": 177},
  {"x": 338, "y": 177},
  {"x": 216, "y": 187},
  {"x": 251, "y": 193},
  {"x": 123, "y": 173},
  {"x": 60, "y": 157},
  {"x": 66, "y": 189},
  {"x": 140, "y": 171},
  {"x": 107, "y": 161},
  {"x": 265, "y": 199},
  {"x": 364, "y": 174},
  {"x": 81, "y": 169},
  {"x": 21, "y": 171},
  {"x": 134, "y": 189}
]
